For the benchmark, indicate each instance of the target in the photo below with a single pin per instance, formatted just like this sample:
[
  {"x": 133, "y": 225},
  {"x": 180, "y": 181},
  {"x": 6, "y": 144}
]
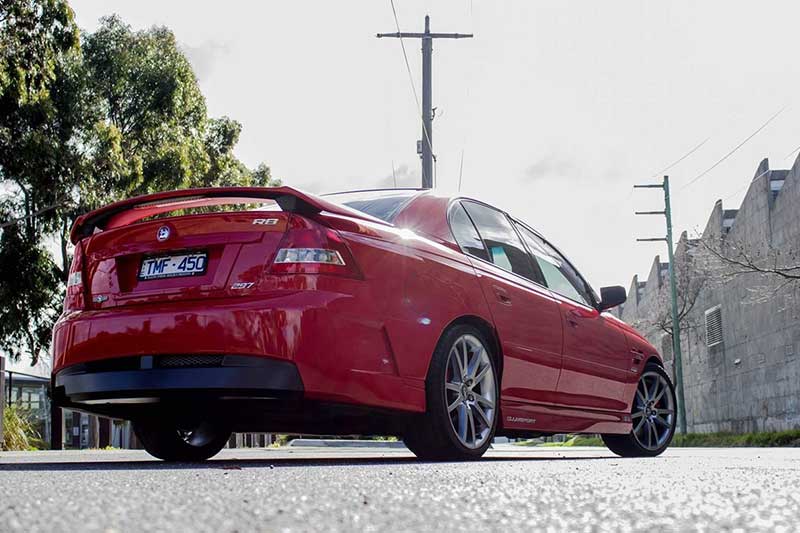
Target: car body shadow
[{"x": 266, "y": 463}]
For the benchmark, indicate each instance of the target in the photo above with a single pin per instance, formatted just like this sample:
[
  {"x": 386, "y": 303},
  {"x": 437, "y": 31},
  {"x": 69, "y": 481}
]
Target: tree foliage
[
  {"x": 771, "y": 270},
  {"x": 691, "y": 274},
  {"x": 38, "y": 42},
  {"x": 29, "y": 295},
  {"x": 85, "y": 121},
  {"x": 33, "y": 35}
]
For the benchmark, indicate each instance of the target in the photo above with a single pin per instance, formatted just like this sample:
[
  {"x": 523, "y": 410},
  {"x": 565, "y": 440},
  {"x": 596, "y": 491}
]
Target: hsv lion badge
[{"x": 163, "y": 234}]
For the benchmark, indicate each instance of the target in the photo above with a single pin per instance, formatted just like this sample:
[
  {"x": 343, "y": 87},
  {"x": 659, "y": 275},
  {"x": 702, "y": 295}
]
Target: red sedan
[{"x": 395, "y": 312}]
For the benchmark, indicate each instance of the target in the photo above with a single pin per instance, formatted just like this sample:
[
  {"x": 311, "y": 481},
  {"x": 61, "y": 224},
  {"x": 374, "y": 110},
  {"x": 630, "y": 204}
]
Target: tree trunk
[
  {"x": 104, "y": 432},
  {"x": 2, "y": 395},
  {"x": 94, "y": 433}
]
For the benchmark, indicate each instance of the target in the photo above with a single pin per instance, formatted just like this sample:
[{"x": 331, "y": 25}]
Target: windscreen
[{"x": 383, "y": 204}]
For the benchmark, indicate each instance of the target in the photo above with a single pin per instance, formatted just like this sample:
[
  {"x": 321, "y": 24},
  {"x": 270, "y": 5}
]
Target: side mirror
[{"x": 611, "y": 297}]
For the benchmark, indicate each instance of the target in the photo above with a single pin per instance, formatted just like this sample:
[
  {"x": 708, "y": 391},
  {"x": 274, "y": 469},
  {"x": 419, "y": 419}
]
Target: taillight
[
  {"x": 310, "y": 248},
  {"x": 75, "y": 293}
]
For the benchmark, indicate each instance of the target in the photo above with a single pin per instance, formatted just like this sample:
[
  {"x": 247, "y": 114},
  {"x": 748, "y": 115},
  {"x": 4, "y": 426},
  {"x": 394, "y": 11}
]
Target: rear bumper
[
  {"x": 135, "y": 380},
  {"x": 340, "y": 351}
]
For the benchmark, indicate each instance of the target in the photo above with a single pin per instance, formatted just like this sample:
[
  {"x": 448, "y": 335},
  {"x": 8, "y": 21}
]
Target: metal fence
[{"x": 30, "y": 394}]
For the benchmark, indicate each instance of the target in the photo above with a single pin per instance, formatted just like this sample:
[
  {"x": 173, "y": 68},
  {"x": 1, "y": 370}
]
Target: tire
[
  {"x": 653, "y": 423},
  {"x": 169, "y": 442},
  {"x": 462, "y": 406}
]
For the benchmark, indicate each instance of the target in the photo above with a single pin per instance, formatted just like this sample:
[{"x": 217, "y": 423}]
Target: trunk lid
[{"x": 236, "y": 248}]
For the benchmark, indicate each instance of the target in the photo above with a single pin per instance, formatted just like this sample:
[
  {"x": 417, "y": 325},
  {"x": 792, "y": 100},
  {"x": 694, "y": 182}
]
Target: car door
[
  {"x": 597, "y": 362},
  {"x": 526, "y": 315}
]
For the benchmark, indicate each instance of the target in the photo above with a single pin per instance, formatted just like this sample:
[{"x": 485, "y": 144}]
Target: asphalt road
[{"x": 577, "y": 489}]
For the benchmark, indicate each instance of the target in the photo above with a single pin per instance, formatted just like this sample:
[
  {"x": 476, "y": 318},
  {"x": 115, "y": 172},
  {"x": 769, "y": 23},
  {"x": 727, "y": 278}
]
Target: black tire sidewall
[
  {"x": 628, "y": 445},
  {"x": 161, "y": 440},
  {"x": 437, "y": 402}
]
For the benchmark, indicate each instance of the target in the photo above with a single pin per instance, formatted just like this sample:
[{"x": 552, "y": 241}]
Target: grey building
[{"x": 741, "y": 335}]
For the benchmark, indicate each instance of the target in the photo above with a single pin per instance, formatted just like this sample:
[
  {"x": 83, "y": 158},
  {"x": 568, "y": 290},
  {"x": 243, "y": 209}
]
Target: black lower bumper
[
  {"x": 246, "y": 393},
  {"x": 142, "y": 379}
]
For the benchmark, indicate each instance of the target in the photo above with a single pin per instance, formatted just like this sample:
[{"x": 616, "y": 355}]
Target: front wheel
[
  {"x": 653, "y": 415},
  {"x": 173, "y": 442},
  {"x": 462, "y": 398}
]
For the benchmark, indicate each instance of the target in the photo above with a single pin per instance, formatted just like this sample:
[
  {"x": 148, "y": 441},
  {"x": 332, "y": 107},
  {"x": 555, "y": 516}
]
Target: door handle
[
  {"x": 572, "y": 318},
  {"x": 502, "y": 295}
]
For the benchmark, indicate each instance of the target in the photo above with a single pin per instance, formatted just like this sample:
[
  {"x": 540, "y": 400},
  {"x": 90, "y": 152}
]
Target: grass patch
[
  {"x": 772, "y": 439},
  {"x": 18, "y": 431},
  {"x": 574, "y": 440}
]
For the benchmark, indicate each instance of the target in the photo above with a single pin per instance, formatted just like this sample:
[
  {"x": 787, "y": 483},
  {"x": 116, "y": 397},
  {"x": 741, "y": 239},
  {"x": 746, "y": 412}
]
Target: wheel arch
[
  {"x": 655, "y": 361},
  {"x": 488, "y": 330}
]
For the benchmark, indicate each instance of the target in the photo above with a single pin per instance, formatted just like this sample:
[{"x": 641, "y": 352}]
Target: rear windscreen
[{"x": 380, "y": 204}]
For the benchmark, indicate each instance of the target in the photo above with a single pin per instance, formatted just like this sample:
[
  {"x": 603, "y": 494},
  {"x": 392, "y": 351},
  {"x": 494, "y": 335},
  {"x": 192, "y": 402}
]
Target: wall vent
[{"x": 714, "y": 326}]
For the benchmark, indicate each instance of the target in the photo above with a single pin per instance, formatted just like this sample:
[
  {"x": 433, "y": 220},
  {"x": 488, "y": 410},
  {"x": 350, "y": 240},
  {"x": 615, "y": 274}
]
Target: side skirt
[{"x": 521, "y": 419}]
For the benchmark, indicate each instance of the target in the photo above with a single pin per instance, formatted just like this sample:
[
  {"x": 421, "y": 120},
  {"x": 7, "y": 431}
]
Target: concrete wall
[{"x": 750, "y": 382}]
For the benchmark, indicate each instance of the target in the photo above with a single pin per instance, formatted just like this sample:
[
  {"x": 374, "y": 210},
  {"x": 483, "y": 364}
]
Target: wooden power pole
[{"x": 425, "y": 146}]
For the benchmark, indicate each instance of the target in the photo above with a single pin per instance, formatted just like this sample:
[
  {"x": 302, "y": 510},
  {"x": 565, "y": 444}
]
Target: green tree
[
  {"x": 29, "y": 294},
  {"x": 152, "y": 130},
  {"x": 38, "y": 43},
  {"x": 84, "y": 122},
  {"x": 34, "y": 34}
]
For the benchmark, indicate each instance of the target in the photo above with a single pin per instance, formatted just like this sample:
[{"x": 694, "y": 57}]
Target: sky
[{"x": 555, "y": 108}]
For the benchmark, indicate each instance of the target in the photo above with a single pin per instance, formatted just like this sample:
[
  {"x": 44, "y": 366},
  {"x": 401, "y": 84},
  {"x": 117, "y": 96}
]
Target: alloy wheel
[
  {"x": 653, "y": 412},
  {"x": 199, "y": 435},
  {"x": 470, "y": 391}
]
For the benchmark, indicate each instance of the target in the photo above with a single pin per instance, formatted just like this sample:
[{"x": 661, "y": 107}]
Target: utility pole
[
  {"x": 425, "y": 146},
  {"x": 676, "y": 326}
]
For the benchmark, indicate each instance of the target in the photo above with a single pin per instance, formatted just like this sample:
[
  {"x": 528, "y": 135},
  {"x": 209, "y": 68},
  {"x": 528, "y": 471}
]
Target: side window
[
  {"x": 465, "y": 233},
  {"x": 502, "y": 242},
  {"x": 557, "y": 271}
]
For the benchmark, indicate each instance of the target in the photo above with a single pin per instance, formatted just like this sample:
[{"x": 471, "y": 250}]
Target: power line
[
  {"x": 690, "y": 152},
  {"x": 32, "y": 215},
  {"x": 726, "y": 156},
  {"x": 790, "y": 154}
]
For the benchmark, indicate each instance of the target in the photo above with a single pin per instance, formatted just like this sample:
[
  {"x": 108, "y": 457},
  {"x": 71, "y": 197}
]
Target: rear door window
[{"x": 501, "y": 241}]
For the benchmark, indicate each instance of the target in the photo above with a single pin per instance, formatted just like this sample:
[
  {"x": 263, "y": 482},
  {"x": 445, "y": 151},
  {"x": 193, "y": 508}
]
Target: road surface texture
[{"x": 325, "y": 489}]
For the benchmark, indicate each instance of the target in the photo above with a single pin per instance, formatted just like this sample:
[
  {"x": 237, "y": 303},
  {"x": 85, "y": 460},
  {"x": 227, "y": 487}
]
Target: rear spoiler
[{"x": 132, "y": 210}]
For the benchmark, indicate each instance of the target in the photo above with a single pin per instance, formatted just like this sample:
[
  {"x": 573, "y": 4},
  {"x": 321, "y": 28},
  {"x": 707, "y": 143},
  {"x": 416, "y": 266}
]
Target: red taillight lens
[
  {"x": 75, "y": 291},
  {"x": 311, "y": 248}
]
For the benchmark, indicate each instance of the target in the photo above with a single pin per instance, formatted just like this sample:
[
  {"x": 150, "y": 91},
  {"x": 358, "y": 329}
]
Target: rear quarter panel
[{"x": 416, "y": 286}]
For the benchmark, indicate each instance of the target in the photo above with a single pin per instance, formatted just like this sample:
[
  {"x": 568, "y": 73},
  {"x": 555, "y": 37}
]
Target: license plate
[{"x": 173, "y": 266}]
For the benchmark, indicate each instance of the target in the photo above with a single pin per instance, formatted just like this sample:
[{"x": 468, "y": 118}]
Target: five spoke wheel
[
  {"x": 462, "y": 398},
  {"x": 470, "y": 391},
  {"x": 653, "y": 417},
  {"x": 653, "y": 411}
]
